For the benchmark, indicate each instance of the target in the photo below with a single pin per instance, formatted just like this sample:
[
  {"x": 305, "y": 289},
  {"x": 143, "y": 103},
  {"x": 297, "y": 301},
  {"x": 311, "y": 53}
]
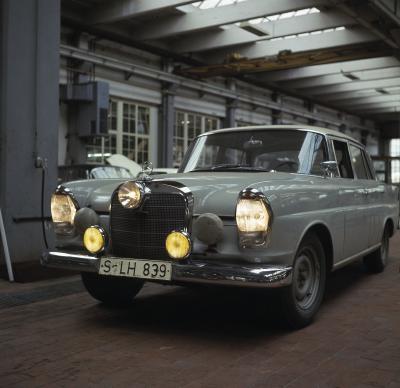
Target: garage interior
[{"x": 81, "y": 80}]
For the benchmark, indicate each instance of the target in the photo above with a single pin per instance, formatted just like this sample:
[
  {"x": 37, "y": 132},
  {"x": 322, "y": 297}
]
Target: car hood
[
  {"x": 213, "y": 192},
  {"x": 217, "y": 192}
]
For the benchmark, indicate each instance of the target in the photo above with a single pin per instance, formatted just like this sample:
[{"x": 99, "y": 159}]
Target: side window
[
  {"x": 358, "y": 162},
  {"x": 320, "y": 154},
  {"x": 343, "y": 159},
  {"x": 370, "y": 166}
]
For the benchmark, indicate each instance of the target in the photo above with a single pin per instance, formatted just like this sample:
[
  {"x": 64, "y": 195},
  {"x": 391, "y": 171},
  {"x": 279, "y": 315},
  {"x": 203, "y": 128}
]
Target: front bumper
[{"x": 189, "y": 272}]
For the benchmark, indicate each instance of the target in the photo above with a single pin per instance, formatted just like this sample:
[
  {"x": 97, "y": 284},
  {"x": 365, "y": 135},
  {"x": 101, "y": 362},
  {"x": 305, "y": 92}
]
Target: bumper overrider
[{"x": 263, "y": 276}]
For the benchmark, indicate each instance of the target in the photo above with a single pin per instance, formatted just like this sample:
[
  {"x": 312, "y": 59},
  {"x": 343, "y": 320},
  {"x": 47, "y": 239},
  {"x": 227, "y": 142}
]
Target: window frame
[
  {"x": 364, "y": 162},
  {"x": 345, "y": 141},
  {"x": 118, "y": 132},
  {"x": 185, "y": 138}
]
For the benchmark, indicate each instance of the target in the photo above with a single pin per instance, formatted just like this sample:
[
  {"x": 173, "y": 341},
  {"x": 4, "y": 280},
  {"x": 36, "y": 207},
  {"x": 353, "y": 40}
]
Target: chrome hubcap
[{"x": 306, "y": 278}]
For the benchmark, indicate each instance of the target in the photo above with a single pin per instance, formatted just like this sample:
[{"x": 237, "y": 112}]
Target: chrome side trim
[
  {"x": 348, "y": 260},
  {"x": 267, "y": 276},
  {"x": 74, "y": 262}
]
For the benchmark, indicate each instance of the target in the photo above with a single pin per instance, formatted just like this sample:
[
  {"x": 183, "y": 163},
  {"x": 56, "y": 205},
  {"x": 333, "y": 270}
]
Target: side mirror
[{"x": 329, "y": 167}]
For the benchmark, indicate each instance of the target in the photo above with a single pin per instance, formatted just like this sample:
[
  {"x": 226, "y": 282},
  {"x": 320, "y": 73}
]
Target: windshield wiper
[{"x": 228, "y": 167}]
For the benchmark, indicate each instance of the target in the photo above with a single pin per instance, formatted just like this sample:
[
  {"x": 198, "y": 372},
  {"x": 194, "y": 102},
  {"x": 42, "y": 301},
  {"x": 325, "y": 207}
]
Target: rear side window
[
  {"x": 343, "y": 159},
  {"x": 358, "y": 162}
]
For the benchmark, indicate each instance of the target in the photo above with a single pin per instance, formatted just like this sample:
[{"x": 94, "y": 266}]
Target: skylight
[
  {"x": 285, "y": 15},
  {"x": 205, "y": 4},
  {"x": 317, "y": 32}
]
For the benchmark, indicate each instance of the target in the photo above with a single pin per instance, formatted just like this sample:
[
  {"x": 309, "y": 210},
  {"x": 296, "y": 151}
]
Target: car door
[
  {"x": 353, "y": 202},
  {"x": 376, "y": 202}
]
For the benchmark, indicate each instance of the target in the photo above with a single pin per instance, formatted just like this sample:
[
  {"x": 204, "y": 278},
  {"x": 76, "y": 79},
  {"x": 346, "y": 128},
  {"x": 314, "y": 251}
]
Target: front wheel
[
  {"x": 376, "y": 261},
  {"x": 112, "y": 291},
  {"x": 301, "y": 300}
]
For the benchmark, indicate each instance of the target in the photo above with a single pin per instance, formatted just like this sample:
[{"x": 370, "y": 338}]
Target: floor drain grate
[{"x": 41, "y": 294}]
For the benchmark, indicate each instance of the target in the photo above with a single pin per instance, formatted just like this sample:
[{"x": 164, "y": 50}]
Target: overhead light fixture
[
  {"x": 382, "y": 91},
  {"x": 350, "y": 76}
]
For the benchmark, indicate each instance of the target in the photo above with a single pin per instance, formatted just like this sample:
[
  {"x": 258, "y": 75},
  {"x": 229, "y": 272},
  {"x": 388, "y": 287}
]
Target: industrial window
[
  {"x": 187, "y": 127},
  {"x": 128, "y": 133},
  {"x": 394, "y": 151}
]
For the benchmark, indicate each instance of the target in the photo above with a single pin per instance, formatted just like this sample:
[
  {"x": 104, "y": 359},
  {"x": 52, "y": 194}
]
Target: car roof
[{"x": 310, "y": 128}]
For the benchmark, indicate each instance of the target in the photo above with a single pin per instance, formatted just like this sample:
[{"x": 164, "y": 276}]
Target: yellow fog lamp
[
  {"x": 94, "y": 239},
  {"x": 178, "y": 245}
]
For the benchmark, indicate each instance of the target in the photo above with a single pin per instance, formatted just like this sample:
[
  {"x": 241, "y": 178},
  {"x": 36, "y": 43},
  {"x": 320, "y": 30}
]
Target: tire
[
  {"x": 300, "y": 301},
  {"x": 376, "y": 261},
  {"x": 112, "y": 291}
]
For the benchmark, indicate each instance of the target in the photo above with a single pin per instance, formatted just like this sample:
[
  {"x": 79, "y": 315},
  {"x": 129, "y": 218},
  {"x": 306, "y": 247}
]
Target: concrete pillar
[
  {"x": 166, "y": 131},
  {"x": 230, "y": 118},
  {"x": 29, "y": 116}
]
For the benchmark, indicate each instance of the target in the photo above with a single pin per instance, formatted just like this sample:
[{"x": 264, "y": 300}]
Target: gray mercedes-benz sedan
[{"x": 268, "y": 206}]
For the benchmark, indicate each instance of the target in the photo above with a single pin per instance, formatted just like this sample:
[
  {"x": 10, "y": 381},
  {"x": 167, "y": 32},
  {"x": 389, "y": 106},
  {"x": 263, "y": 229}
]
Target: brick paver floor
[{"x": 190, "y": 337}]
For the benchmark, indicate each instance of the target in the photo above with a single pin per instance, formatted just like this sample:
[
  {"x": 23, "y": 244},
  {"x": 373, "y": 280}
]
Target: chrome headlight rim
[
  {"x": 254, "y": 239},
  {"x": 140, "y": 186},
  {"x": 66, "y": 228}
]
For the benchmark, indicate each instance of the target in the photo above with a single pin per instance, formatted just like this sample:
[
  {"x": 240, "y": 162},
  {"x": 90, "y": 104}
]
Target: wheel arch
[
  {"x": 324, "y": 235},
  {"x": 390, "y": 224}
]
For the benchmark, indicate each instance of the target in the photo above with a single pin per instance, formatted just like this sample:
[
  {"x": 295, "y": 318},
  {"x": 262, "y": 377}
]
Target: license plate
[{"x": 134, "y": 268}]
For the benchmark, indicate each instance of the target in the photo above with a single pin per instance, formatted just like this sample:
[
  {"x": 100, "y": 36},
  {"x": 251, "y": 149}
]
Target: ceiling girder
[
  {"x": 287, "y": 60},
  {"x": 214, "y": 17},
  {"x": 235, "y": 35},
  {"x": 326, "y": 69},
  {"x": 343, "y": 77},
  {"x": 355, "y": 85},
  {"x": 113, "y": 11}
]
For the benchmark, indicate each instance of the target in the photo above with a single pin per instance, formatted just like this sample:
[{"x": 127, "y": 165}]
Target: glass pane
[
  {"x": 395, "y": 169},
  {"x": 143, "y": 120},
  {"x": 267, "y": 150},
  {"x": 343, "y": 159},
  {"x": 142, "y": 150},
  {"x": 358, "y": 162}
]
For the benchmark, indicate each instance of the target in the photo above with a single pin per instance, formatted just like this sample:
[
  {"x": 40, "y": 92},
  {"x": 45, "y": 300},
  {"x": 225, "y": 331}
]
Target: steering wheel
[{"x": 288, "y": 163}]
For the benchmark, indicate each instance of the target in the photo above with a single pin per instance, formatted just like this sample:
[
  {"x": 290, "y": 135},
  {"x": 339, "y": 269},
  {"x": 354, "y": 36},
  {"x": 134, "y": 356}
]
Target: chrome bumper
[{"x": 189, "y": 272}]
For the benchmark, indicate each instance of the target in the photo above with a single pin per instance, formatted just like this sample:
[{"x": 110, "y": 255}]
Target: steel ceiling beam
[
  {"x": 116, "y": 10},
  {"x": 235, "y": 35},
  {"x": 214, "y": 17},
  {"x": 286, "y": 60},
  {"x": 386, "y": 105},
  {"x": 355, "y": 85},
  {"x": 339, "y": 78},
  {"x": 321, "y": 41},
  {"x": 377, "y": 99},
  {"x": 390, "y": 7},
  {"x": 321, "y": 70},
  {"x": 357, "y": 94}
]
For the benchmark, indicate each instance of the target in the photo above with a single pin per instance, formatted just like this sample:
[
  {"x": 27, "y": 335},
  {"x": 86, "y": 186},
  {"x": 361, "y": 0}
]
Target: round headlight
[
  {"x": 94, "y": 239},
  {"x": 178, "y": 245},
  {"x": 252, "y": 215},
  {"x": 63, "y": 208},
  {"x": 130, "y": 195}
]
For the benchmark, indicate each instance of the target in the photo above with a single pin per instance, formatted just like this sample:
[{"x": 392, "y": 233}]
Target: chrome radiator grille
[{"x": 141, "y": 233}]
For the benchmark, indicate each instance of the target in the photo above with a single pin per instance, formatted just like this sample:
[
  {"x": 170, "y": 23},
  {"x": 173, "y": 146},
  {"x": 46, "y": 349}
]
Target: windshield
[
  {"x": 110, "y": 172},
  {"x": 258, "y": 150}
]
